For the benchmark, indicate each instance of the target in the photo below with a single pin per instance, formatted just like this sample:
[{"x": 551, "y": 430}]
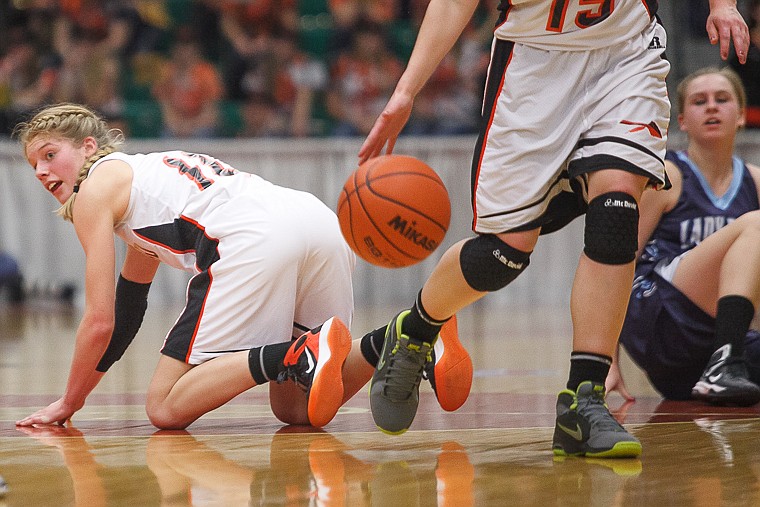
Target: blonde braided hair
[{"x": 75, "y": 123}]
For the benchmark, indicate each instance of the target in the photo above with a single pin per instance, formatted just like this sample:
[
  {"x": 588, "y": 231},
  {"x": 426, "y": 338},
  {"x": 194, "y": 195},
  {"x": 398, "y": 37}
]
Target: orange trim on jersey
[
  {"x": 553, "y": 25},
  {"x": 200, "y": 317},
  {"x": 161, "y": 245},
  {"x": 485, "y": 141},
  {"x": 503, "y": 16},
  {"x": 646, "y": 6}
]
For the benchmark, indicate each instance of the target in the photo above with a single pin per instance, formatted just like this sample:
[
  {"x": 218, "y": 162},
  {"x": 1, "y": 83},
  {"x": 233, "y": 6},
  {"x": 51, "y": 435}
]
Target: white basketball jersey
[
  {"x": 269, "y": 262},
  {"x": 571, "y": 25},
  {"x": 172, "y": 188}
]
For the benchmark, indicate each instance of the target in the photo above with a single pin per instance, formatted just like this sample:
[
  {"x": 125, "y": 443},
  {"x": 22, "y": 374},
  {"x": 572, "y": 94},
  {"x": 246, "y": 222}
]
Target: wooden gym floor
[{"x": 495, "y": 450}]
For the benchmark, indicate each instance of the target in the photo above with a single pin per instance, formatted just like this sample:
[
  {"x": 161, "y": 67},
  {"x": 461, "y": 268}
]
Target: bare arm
[
  {"x": 755, "y": 172},
  {"x": 443, "y": 24},
  {"x": 726, "y": 23},
  {"x": 100, "y": 200},
  {"x": 655, "y": 203},
  {"x": 139, "y": 267}
]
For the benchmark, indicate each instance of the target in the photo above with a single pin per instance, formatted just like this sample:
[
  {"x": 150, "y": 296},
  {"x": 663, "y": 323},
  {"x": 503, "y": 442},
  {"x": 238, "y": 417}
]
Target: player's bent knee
[
  {"x": 164, "y": 420},
  {"x": 612, "y": 224},
  {"x": 750, "y": 220},
  {"x": 488, "y": 264}
]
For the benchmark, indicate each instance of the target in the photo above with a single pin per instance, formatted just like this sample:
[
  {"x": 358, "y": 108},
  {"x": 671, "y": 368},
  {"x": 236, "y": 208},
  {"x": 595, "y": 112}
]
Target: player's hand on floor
[
  {"x": 55, "y": 413},
  {"x": 614, "y": 382}
]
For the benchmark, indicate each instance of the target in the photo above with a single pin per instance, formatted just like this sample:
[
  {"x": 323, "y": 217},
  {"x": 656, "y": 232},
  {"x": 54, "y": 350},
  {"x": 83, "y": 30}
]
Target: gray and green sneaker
[
  {"x": 394, "y": 391},
  {"x": 585, "y": 426}
]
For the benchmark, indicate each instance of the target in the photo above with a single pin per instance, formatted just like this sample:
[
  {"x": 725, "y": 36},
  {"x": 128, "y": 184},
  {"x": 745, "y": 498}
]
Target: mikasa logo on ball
[{"x": 408, "y": 231}]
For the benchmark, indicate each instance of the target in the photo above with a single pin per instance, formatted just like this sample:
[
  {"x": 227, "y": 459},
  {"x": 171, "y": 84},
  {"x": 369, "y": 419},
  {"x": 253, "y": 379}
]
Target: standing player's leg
[
  {"x": 598, "y": 304},
  {"x": 467, "y": 271},
  {"x": 620, "y": 150}
]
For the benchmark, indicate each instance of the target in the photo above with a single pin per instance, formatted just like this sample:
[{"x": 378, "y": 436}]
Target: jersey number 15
[{"x": 586, "y": 17}]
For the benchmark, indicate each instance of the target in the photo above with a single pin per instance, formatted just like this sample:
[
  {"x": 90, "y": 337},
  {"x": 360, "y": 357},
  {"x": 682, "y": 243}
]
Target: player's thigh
[
  {"x": 698, "y": 273},
  {"x": 167, "y": 373},
  {"x": 616, "y": 180}
]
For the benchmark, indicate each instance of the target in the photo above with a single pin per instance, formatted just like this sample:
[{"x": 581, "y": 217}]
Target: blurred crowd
[
  {"x": 233, "y": 68},
  {"x": 245, "y": 68}
]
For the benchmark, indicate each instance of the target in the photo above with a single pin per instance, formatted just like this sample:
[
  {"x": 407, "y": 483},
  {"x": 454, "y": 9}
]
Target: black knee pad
[
  {"x": 612, "y": 225},
  {"x": 488, "y": 264}
]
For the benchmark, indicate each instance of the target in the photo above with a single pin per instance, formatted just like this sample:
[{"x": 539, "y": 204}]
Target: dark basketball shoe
[
  {"x": 394, "y": 392},
  {"x": 725, "y": 381},
  {"x": 315, "y": 362},
  {"x": 585, "y": 426},
  {"x": 450, "y": 371}
]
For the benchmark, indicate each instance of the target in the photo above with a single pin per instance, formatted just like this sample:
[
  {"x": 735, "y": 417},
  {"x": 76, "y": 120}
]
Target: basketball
[{"x": 394, "y": 211}]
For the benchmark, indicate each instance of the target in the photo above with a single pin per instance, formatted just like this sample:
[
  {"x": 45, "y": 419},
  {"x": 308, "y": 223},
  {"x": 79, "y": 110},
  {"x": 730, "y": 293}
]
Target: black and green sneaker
[
  {"x": 394, "y": 392},
  {"x": 585, "y": 426}
]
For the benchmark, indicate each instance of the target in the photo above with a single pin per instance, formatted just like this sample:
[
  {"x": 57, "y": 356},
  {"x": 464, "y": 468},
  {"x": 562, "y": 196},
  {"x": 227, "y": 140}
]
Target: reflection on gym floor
[{"x": 495, "y": 450}]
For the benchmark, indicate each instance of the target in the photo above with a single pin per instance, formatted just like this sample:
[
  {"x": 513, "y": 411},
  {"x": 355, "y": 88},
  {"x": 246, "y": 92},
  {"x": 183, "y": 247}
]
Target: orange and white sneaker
[
  {"x": 315, "y": 362},
  {"x": 450, "y": 371}
]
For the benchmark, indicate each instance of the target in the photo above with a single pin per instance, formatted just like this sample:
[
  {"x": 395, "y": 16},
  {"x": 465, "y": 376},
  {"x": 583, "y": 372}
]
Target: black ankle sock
[
  {"x": 732, "y": 321},
  {"x": 587, "y": 366},
  {"x": 266, "y": 362},
  {"x": 372, "y": 345},
  {"x": 419, "y": 326}
]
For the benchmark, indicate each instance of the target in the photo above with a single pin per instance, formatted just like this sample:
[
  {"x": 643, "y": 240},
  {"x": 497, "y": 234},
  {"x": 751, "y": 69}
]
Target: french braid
[{"x": 75, "y": 123}]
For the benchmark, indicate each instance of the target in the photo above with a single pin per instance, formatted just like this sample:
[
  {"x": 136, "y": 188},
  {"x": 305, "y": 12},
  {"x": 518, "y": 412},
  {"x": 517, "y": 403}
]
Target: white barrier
[{"x": 48, "y": 250}]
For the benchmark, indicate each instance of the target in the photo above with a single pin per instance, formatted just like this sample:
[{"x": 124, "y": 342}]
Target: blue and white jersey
[
  {"x": 573, "y": 25},
  {"x": 698, "y": 212}
]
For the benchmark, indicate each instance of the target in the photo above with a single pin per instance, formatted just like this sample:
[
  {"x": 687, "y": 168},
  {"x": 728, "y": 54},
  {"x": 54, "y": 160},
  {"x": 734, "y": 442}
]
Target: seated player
[{"x": 697, "y": 282}]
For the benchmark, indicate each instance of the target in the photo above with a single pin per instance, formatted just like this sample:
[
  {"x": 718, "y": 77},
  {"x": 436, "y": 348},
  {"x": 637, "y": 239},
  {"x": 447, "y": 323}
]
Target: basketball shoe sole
[
  {"x": 325, "y": 349},
  {"x": 450, "y": 372}
]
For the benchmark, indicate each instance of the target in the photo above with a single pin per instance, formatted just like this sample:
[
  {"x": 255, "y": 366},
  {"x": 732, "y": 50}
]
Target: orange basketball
[{"x": 394, "y": 211}]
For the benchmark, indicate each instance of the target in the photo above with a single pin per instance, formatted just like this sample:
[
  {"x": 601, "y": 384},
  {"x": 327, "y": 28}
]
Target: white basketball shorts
[
  {"x": 551, "y": 117},
  {"x": 283, "y": 267}
]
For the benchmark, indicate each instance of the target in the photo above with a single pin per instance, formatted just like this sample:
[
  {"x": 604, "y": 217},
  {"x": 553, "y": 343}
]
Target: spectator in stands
[
  {"x": 250, "y": 61},
  {"x": 103, "y": 23},
  {"x": 450, "y": 103},
  {"x": 268, "y": 15},
  {"x": 90, "y": 74},
  {"x": 347, "y": 15},
  {"x": 261, "y": 117},
  {"x": 750, "y": 71},
  {"x": 27, "y": 78},
  {"x": 148, "y": 23},
  {"x": 189, "y": 90},
  {"x": 297, "y": 83},
  {"x": 361, "y": 80}
]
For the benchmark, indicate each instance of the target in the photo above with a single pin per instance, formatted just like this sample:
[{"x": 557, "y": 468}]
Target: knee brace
[
  {"x": 488, "y": 264},
  {"x": 612, "y": 224}
]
